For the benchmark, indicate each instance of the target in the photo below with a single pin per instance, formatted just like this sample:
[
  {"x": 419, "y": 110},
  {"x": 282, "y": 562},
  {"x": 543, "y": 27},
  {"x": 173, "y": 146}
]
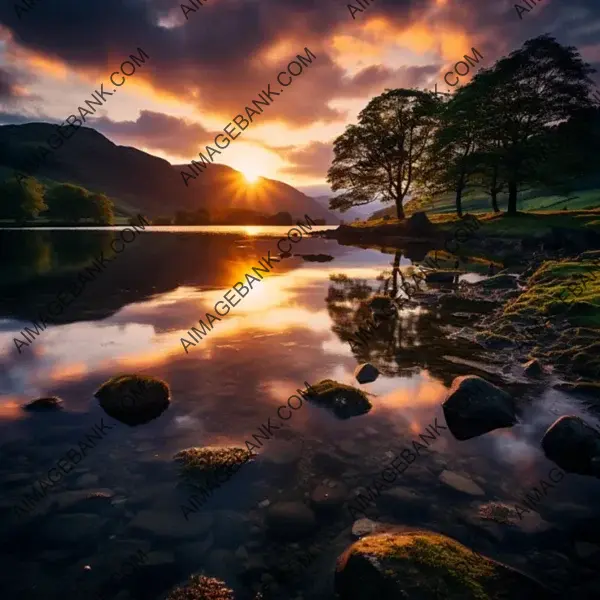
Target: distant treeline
[{"x": 232, "y": 217}]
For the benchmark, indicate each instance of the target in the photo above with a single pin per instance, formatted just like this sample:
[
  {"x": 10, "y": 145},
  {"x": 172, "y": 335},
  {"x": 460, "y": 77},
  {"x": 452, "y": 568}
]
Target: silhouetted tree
[{"x": 380, "y": 157}]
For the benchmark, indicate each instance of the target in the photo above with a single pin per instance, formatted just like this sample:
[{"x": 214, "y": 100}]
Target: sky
[{"x": 208, "y": 62}]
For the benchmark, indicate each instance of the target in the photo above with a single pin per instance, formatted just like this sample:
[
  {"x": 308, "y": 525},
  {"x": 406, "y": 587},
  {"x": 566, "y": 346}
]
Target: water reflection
[{"x": 293, "y": 328}]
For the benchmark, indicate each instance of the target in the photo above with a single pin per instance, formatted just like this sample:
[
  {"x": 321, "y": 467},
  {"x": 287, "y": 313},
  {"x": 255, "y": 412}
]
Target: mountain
[
  {"x": 139, "y": 182},
  {"x": 356, "y": 212}
]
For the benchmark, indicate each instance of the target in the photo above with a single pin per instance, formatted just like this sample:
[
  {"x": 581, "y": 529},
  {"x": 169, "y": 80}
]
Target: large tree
[
  {"x": 380, "y": 157},
  {"x": 21, "y": 201},
  {"x": 528, "y": 93},
  {"x": 454, "y": 155}
]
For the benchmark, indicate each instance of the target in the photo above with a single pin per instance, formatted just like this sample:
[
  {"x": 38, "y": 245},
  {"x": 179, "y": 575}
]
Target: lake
[{"x": 125, "y": 495}]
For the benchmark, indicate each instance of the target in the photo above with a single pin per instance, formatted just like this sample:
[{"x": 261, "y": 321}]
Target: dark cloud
[
  {"x": 216, "y": 59},
  {"x": 157, "y": 131}
]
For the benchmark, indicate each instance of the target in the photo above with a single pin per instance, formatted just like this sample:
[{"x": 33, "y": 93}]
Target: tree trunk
[
  {"x": 512, "y": 198},
  {"x": 495, "y": 201},
  {"x": 399, "y": 209},
  {"x": 459, "y": 202}
]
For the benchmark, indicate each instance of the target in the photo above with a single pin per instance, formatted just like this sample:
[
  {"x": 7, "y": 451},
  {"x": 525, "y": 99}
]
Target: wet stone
[{"x": 290, "y": 520}]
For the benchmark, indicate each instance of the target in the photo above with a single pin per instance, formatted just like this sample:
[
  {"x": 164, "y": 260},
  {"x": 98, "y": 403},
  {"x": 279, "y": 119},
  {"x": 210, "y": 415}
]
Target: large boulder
[
  {"x": 134, "y": 399},
  {"x": 475, "y": 406},
  {"x": 47, "y": 404},
  {"x": 366, "y": 373},
  {"x": 344, "y": 401},
  {"x": 573, "y": 445},
  {"x": 422, "y": 565}
]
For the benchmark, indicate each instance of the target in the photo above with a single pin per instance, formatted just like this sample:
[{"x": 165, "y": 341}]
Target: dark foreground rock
[
  {"x": 475, "y": 406},
  {"x": 134, "y": 399},
  {"x": 427, "y": 566},
  {"x": 199, "y": 587},
  {"x": 533, "y": 369},
  {"x": 573, "y": 445},
  {"x": 49, "y": 404},
  {"x": 344, "y": 401},
  {"x": 366, "y": 373}
]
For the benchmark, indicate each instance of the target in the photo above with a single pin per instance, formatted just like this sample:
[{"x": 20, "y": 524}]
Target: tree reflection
[{"x": 410, "y": 339}]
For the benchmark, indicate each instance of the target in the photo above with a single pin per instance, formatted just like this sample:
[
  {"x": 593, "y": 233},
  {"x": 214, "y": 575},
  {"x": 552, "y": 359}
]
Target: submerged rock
[
  {"x": 461, "y": 483},
  {"x": 533, "y": 369},
  {"x": 134, "y": 399},
  {"x": 475, "y": 406},
  {"x": 48, "y": 404},
  {"x": 290, "y": 520},
  {"x": 344, "y": 401},
  {"x": 200, "y": 587},
  {"x": 329, "y": 497},
  {"x": 211, "y": 463},
  {"x": 366, "y": 373},
  {"x": 573, "y": 445},
  {"x": 426, "y": 566}
]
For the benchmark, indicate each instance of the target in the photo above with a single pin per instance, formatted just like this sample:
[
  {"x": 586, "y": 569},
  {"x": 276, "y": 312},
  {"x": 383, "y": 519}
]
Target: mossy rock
[
  {"x": 344, "y": 401},
  {"x": 200, "y": 587},
  {"x": 211, "y": 463},
  {"x": 134, "y": 399},
  {"x": 47, "y": 404},
  {"x": 422, "y": 565}
]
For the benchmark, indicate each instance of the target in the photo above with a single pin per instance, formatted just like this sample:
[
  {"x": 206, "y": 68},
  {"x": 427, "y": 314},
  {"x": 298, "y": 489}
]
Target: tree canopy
[
  {"x": 514, "y": 126},
  {"x": 380, "y": 157}
]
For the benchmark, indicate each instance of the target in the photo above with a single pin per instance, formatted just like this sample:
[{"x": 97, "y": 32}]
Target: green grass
[{"x": 577, "y": 283}]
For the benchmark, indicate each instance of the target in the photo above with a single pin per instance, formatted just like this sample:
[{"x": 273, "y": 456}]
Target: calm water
[{"x": 290, "y": 329}]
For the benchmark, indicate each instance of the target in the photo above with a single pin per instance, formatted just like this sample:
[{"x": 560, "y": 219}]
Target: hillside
[
  {"x": 137, "y": 181},
  {"x": 586, "y": 198}
]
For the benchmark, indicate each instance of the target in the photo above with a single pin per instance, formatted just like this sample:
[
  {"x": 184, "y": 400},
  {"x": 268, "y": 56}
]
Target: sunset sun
[{"x": 250, "y": 175}]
